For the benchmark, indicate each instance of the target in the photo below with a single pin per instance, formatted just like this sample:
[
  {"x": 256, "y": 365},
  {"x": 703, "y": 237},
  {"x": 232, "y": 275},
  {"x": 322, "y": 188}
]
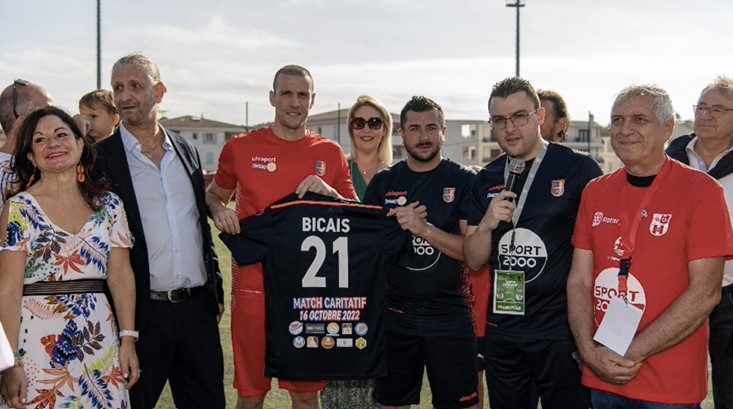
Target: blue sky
[{"x": 215, "y": 55}]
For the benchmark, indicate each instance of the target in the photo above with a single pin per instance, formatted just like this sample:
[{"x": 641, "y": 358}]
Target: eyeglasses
[
  {"x": 715, "y": 110},
  {"x": 518, "y": 119},
  {"x": 15, "y": 95},
  {"x": 374, "y": 123}
]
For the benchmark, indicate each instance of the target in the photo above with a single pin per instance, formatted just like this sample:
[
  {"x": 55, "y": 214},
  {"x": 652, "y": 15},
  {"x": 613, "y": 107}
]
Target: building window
[
  {"x": 584, "y": 135},
  {"x": 468, "y": 131},
  {"x": 469, "y": 153},
  {"x": 495, "y": 153},
  {"x": 209, "y": 159},
  {"x": 195, "y": 136},
  {"x": 210, "y": 138}
]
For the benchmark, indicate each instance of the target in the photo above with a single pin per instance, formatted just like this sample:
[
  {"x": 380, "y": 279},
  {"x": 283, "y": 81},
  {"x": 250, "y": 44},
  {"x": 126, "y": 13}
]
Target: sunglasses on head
[
  {"x": 374, "y": 123},
  {"x": 15, "y": 95}
]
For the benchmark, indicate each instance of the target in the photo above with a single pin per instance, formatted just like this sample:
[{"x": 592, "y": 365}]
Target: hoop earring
[{"x": 80, "y": 176}]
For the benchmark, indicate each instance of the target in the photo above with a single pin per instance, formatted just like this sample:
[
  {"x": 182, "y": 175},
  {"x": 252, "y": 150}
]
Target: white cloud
[{"x": 217, "y": 55}]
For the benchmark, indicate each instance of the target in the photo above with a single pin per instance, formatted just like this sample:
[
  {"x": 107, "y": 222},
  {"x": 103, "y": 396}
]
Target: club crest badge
[
  {"x": 449, "y": 194},
  {"x": 320, "y": 168},
  {"x": 558, "y": 187},
  {"x": 660, "y": 224}
]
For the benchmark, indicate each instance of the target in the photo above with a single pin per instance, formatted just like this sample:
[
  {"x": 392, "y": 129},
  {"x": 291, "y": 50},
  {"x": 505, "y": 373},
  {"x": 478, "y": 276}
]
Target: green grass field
[{"x": 276, "y": 399}]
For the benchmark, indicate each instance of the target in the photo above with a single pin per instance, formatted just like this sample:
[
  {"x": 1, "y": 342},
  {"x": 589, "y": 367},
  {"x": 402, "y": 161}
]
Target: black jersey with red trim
[
  {"x": 542, "y": 248},
  {"x": 322, "y": 260},
  {"x": 430, "y": 295}
]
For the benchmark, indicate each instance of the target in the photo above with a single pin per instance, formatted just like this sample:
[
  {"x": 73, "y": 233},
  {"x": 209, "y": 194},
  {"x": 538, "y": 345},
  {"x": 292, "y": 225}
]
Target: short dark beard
[{"x": 412, "y": 152}]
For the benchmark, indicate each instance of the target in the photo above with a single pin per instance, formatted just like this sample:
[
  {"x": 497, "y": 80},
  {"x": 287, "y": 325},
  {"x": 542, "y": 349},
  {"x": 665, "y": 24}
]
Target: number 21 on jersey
[{"x": 340, "y": 248}]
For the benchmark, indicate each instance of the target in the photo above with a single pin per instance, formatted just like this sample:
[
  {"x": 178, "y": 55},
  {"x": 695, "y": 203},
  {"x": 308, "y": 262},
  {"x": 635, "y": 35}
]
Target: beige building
[
  {"x": 460, "y": 135},
  {"x": 466, "y": 141},
  {"x": 208, "y": 135},
  {"x": 470, "y": 142}
]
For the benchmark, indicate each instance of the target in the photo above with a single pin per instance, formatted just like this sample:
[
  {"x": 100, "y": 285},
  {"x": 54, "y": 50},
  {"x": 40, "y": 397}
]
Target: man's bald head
[{"x": 28, "y": 98}]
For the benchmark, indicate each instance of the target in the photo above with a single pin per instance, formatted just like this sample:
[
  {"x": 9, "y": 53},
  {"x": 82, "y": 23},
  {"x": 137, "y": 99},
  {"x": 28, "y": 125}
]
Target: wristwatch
[{"x": 129, "y": 333}]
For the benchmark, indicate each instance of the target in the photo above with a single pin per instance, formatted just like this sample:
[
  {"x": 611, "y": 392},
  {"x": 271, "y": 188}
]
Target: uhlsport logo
[
  {"x": 528, "y": 254},
  {"x": 494, "y": 191},
  {"x": 264, "y": 163},
  {"x": 395, "y": 198}
]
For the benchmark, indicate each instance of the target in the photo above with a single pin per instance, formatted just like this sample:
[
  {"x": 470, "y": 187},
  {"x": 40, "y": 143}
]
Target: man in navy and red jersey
[
  {"x": 264, "y": 166},
  {"x": 528, "y": 344},
  {"x": 428, "y": 315},
  {"x": 647, "y": 265}
]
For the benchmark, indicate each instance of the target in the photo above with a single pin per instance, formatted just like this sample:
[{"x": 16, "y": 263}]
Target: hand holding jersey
[
  {"x": 324, "y": 265},
  {"x": 313, "y": 183},
  {"x": 428, "y": 314},
  {"x": 226, "y": 220},
  {"x": 412, "y": 218},
  {"x": 263, "y": 166}
]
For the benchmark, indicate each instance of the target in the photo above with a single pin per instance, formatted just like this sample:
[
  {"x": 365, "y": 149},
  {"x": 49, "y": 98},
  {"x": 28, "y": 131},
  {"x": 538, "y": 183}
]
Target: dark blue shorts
[
  {"x": 520, "y": 372},
  {"x": 450, "y": 364}
]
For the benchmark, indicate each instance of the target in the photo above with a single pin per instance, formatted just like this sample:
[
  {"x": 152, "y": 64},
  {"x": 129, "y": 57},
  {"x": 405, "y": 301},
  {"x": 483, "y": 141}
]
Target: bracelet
[
  {"x": 129, "y": 333},
  {"x": 16, "y": 357}
]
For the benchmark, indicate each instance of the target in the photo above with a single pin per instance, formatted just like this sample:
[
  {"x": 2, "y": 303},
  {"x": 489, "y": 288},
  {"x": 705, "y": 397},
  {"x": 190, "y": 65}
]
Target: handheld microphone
[{"x": 516, "y": 167}]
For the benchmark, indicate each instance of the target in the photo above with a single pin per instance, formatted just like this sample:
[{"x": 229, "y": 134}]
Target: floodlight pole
[
  {"x": 99, "y": 44},
  {"x": 516, "y": 4}
]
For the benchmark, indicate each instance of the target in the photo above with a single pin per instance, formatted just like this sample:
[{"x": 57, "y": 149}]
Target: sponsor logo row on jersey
[{"x": 335, "y": 335}]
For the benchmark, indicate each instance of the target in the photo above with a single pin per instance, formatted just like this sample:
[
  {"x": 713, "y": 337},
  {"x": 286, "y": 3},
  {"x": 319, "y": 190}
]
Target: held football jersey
[{"x": 323, "y": 262}]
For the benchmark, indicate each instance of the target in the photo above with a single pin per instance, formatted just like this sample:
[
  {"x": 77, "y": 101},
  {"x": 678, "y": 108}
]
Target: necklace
[
  {"x": 149, "y": 152},
  {"x": 371, "y": 169}
]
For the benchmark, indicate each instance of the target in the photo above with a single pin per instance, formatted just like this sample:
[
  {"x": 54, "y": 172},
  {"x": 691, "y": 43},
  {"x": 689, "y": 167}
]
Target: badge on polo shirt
[{"x": 508, "y": 292}]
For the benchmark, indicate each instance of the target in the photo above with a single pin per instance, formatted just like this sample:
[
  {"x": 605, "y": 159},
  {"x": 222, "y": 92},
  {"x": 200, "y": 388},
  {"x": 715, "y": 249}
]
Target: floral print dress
[{"x": 68, "y": 342}]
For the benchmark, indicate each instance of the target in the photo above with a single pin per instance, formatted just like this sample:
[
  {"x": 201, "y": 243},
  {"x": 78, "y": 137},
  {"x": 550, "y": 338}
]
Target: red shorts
[{"x": 248, "y": 344}]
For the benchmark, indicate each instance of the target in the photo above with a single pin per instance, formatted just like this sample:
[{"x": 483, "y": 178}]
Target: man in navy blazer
[{"x": 180, "y": 299}]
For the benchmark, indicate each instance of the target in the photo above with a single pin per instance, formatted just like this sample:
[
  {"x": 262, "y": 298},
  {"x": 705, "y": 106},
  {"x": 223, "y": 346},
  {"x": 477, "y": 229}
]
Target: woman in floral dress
[{"x": 63, "y": 235}]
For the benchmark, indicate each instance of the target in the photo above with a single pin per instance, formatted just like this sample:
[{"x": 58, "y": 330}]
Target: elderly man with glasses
[
  {"x": 521, "y": 218},
  {"x": 650, "y": 243},
  {"x": 710, "y": 149},
  {"x": 16, "y": 101}
]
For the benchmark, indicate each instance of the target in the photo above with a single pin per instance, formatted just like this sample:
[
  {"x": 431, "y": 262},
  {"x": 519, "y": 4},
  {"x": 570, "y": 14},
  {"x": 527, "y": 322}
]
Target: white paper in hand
[{"x": 619, "y": 326}]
